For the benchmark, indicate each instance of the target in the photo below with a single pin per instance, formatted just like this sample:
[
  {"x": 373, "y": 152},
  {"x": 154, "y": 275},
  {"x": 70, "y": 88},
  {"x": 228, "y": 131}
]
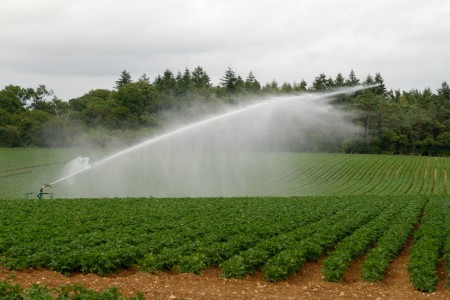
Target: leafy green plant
[
  {"x": 363, "y": 238},
  {"x": 389, "y": 245},
  {"x": 428, "y": 244},
  {"x": 66, "y": 292},
  {"x": 287, "y": 262},
  {"x": 10, "y": 291}
]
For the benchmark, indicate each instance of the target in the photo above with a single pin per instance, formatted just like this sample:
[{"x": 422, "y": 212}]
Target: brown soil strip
[
  {"x": 398, "y": 170},
  {"x": 26, "y": 169},
  {"x": 445, "y": 181},
  {"x": 426, "y": 169},
  {"x": 15, "y": 173},
  {"x": 306, "y": 284},
  {"x": 442, "y": 275}
]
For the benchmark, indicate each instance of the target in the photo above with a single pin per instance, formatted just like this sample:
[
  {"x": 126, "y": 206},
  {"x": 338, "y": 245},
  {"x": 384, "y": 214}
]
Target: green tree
[
  {"x": 321, "y": 83},
  {"x": 287, "y": 88},
  {"x": 274, "y": 86},
  {"x": 369, "y": 80},
  {"x": 9, "y": 136},
  {"x": 61, "y": 109},
  {"x": 139, "y": 97},
  {"x": 5, "y": 117},
  {"x": 229, "y": 81},
  {"x": 144, "y": 78},
  {"x": 124, "y": 79},
  {"x": 40, "y": 98},
  {"x": 32, "y": 127},
  {"x": 184, "y": 83},
  {"x": 271, "y": 88},
  {"x": 80, "y": 109},
  {"x": 444, "y": 91},
  {"x": 166, "y": 84},
  {"x": 240, "y": 85},
  {"x": 13, "y": 99},
  {"x": 201, "y": 80},
  {"x": 367, "y": 105},
  {"x": 352, "y": 80},
  {"x": 108, "y": 114},
  {"x": 301, "y": 87},
  {"x": 340, "y": 80},
  {"x": 120, "y": 117},
  {"x": 252, "y": 85},
  {"x": 381, "y": 88}
]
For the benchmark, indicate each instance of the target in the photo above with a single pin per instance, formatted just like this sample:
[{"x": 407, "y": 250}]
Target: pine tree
[
  {"x": 200, "y": 79},
  {"x": 167, "y": 83},
  {"x": 320, "y": 83},
  {"x": 124, "y": 78},
  {"x": 303, "y": 86},
  {"x": 352, "y": 80},
  {"x": 240, "y": 85},
  {"x": 144, "y": 78},
  {"x": 330, "y": 82},
  {"x": 286, "y": 88},
  {"x": 369, "y": 80},
  {"x": 339, "y": 81},
  {"x": 251, "y": 84},
  {"x": 381, "y": 88},
  {"x": 184, "y": 82},
  {"x": 229, "y": 80},
  {"x": 274, "y": 86},
  {"x": 444, "y": 91}
]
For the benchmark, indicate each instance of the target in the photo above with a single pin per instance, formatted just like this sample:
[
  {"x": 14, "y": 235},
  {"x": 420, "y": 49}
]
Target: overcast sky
[{"x": 75, "y": 46}]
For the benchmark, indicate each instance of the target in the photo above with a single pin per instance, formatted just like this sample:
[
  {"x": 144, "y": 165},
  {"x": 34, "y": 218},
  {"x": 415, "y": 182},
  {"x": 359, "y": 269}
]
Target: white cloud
[{"x": 49, "y": 41}]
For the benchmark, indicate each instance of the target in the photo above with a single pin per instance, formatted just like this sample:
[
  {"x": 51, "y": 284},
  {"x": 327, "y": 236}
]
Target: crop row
[
  {"x": 101, "y": 236},
  {"x": 371, "y": 174},
  {"x": 389, "y": 245},
  {"x": 289, "y": 261},
  {"x": 211, "y": 250},
  {"x": 65, "y": 292},
  {"x": 447, "y": 243},
  {"x": 361, "y": 240},
  {"x": 428, "y": 246},
  {"x": 248, "y": 261},
  {"x": 241, "y": 235},
  {"x": 256, "y": 174}
]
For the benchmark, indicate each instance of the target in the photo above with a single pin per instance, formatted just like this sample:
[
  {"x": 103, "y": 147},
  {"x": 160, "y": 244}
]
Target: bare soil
[{"x": 306, "y": 284}]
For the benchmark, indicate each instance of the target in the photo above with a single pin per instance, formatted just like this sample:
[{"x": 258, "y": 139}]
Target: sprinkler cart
[{"x": 42, "y": 194}]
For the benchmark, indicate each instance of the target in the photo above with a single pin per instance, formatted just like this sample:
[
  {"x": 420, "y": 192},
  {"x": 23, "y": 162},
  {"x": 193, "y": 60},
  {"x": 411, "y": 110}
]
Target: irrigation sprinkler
[{"x": 42, "y": 194}]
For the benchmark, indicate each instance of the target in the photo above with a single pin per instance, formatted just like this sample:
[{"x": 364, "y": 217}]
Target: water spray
[
  {"x": 72, "y": 174},
  {"x": 273, "y": 101}
]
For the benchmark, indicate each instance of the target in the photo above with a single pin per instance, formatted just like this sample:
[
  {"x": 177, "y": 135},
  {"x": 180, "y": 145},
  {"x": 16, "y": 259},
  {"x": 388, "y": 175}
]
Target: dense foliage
[
  {"x": 65, "y": 292},
  {"x": 391, "y": 243},
  {"x": 429, "y": 243},
  {"x": 366, "y": 236},
  {"x": 447, "y": 243},
  {"x": 391, "y": 121},
  {"x": 275, "y": 235}
]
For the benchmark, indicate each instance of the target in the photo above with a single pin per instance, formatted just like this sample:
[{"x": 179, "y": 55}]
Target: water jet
[{"x": 211, "y": 157}]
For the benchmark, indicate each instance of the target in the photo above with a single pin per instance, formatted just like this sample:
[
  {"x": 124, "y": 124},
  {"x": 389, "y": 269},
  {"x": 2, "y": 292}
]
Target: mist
[{"x": 236, "y": 152}]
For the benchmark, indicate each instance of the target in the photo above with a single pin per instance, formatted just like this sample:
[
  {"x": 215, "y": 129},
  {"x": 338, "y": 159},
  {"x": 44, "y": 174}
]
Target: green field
[
  {"x": 342, "y": 207},
  {"x": 26, "y": 169},
  {"x": 246, "y": 174}
]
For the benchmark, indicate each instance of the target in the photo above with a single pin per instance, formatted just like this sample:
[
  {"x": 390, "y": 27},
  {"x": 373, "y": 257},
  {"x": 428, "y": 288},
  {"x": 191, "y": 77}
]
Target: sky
[{"x": 73, "y": 47}]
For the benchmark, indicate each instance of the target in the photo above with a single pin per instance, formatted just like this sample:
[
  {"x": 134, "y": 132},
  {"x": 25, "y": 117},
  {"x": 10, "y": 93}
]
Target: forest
[{"x": 392, "y": 122}]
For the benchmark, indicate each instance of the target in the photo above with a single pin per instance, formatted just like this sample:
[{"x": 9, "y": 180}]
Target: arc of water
[
  {"x": 165, "y": 136},
  {"x": 207, "y": 121}
]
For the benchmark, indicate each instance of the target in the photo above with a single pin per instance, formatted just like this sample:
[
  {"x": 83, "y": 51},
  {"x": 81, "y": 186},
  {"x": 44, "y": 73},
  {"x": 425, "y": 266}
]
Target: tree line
[{"x": 397, "y": 122}]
